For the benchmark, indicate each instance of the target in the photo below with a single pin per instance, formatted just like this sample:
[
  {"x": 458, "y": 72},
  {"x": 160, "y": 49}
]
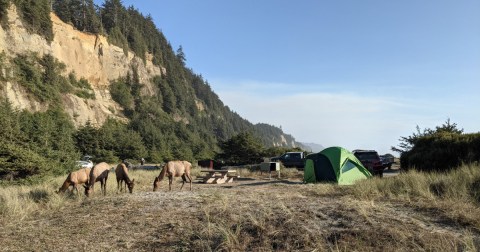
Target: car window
[{"x": 367, "y": 155}]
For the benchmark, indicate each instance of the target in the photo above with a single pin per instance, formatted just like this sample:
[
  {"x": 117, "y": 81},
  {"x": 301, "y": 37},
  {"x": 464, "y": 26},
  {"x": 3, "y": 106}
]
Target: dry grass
[{"x": 412, "y": 211}]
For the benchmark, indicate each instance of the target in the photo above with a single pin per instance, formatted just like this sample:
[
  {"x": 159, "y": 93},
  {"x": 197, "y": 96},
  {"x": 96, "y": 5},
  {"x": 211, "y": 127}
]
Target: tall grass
[
  {"x": 455, "y": 195},
  {"x": 20, "y": 201},
  {"x": 461, "y": 184}
]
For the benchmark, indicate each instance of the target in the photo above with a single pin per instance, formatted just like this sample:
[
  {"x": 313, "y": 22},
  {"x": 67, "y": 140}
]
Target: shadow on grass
[
  {"x": 272, "y": 182},
  {"x": 39, "y": 195}
]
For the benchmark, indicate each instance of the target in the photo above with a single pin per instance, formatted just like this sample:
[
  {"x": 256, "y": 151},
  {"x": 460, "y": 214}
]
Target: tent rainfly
[{"x": 334, "y": 164}]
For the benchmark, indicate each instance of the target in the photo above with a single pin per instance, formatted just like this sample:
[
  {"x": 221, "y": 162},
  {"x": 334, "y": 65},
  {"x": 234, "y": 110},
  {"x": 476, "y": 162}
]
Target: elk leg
[
  {"x": 190, "y": 178},
  {"x": 105, "y": 181},
  {"x": 104, "y": 187},
  {"x": 184, "y": 179},
  {"x": 170, "y": 181}
]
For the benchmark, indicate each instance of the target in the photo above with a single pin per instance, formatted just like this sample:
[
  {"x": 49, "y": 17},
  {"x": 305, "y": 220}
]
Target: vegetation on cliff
[{"x": 184, "y": 119}]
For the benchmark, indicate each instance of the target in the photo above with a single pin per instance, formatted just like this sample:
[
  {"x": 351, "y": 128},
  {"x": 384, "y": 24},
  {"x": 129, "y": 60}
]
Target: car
[
  {"x": 387, "y": 160},
  {"x": 371, "y": 160},
  {"x": 291, "y": 159},
  {"x": 84, "y": 164}
]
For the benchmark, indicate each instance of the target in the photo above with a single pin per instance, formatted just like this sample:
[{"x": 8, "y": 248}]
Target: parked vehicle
[
  {"x": 387, "y": 160},
  {"x": 370, "y": 160},
  {"x": 291, "y": 159},
  {"x": 85, "y": 162}
]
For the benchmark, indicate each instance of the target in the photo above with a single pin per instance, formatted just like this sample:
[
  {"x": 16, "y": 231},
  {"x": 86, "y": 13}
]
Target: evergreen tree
[
  {"x": 4, "y": 4},
  {"x": 36, "y": 14},
  {"x": 63, "y": 10},
  {"x": 181, "y": 55},
  {"x": 242, "y": 148},
  {"x": 92, "y": 19},
  {"x": 111, "y": 14}
]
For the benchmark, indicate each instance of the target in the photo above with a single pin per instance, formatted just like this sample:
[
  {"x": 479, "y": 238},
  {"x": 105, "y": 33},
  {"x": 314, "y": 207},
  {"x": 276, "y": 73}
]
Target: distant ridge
[{"x": 313, "y": 147}]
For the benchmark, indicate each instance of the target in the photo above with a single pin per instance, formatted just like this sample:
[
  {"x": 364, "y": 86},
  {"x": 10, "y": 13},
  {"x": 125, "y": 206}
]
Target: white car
[{"x": 84, "y": 164}]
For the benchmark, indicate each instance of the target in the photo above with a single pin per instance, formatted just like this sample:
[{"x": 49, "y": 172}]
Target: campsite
[
  {"x": 239, "y": 125},
  {"x": 253, "y": 213}
]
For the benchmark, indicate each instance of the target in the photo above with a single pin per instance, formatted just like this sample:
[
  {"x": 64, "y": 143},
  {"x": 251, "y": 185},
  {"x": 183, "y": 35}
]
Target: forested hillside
[{"x": 182, "y": 119}]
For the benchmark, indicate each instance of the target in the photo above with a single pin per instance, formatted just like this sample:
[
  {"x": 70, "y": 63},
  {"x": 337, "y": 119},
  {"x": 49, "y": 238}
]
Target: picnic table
[{"x": 218, "y": 176}]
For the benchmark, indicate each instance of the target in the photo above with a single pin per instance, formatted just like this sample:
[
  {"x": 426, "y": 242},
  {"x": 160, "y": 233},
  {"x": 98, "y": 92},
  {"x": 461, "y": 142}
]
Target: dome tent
[{"x": 334, "y": 164}]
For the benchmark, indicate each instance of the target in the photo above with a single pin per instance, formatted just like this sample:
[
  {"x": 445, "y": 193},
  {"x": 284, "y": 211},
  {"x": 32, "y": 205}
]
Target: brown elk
[
  {"x": 74, "y": 179},
  {"x": 98, "y": 173},
  {"x": 121, "y": 173},
  {"x": 174, "y": 169}
]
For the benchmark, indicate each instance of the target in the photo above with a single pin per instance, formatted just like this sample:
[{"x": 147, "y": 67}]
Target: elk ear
[{"x": 133, "y": 180}]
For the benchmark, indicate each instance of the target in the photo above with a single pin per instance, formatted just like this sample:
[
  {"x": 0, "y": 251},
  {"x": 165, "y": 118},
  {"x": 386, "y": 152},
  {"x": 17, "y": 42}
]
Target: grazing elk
[
  {"x": 74, "y": 179},
  {"x": 98, "y": 173},
  {"x": 174, "y": 169},
  {"x": 121, "y": 173}
]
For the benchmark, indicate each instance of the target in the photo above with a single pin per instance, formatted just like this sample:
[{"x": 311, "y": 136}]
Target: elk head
[
  {"x": 131, "y": 185},
  {"x": 88, "y": 190},
  {"x": 155, "y": 184}
]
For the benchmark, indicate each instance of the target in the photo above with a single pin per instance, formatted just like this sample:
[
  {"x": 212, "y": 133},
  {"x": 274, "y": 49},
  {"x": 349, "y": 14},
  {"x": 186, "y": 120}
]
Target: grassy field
[{"x": 411, "y": 211}]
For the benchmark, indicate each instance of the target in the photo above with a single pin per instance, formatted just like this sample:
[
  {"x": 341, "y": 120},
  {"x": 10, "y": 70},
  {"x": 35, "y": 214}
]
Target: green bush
[
  {"x": 442, "y": 151},
  {"x": 120, "y": 92},
  {"x": 82, "y": 87},
  {"x": 19, "y": 162}
]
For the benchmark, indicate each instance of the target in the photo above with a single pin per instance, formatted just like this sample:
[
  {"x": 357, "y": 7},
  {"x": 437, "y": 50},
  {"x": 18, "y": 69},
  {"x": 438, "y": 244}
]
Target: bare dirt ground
[{"x": 247, "y": 215}]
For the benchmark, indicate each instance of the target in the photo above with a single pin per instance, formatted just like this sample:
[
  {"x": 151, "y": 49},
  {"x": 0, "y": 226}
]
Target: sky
[{"x": 356, "y": 74}]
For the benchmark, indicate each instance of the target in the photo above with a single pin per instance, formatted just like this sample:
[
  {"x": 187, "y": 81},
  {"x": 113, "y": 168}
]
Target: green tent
[{"x": 334, "y": 164}]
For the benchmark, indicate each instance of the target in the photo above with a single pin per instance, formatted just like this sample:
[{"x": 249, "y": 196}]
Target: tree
[
  {"x": 3, "y": 11},
  {"x": 111, "y": 14},
  {"x": 36, "y": 13},
  {"x": 87, "y": 139},
  {"x": 181, "y": 55},
  {"x": 242, "y": 148},
  {"x": 92, "y": 19}
]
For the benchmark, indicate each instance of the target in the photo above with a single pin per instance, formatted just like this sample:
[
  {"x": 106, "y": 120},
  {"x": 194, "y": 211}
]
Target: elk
[
  {"x": 174, "y": 169},
  {"x": 98, "y": 173},
  {"x": 121, "y": 173},
  {"x": 74, "y": 179}
]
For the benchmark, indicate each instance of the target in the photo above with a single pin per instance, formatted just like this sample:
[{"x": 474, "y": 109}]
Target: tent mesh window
[{"x": 347, "y": 166}]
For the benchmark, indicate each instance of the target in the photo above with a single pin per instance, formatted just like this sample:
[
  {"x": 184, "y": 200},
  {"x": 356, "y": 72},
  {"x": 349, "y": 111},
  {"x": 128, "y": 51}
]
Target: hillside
[{"x": 106, "y": 75}]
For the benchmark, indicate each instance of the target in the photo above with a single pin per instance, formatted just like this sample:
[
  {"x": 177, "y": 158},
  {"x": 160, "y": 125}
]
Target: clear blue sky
[{"x": 357, "y": 74}]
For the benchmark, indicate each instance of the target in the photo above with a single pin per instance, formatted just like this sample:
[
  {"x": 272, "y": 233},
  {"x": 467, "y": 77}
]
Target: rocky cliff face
[{"x": 89, "y": 56}]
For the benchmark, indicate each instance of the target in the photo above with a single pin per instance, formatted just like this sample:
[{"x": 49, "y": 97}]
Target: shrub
[{"x": 442, "y": 151}]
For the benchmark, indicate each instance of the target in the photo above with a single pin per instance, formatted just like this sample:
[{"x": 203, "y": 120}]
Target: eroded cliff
[{"x": 89, "y": 56}]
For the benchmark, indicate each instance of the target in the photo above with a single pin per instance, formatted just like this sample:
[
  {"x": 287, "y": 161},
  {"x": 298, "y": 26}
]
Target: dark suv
[{"x": 370, "y": 160}]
